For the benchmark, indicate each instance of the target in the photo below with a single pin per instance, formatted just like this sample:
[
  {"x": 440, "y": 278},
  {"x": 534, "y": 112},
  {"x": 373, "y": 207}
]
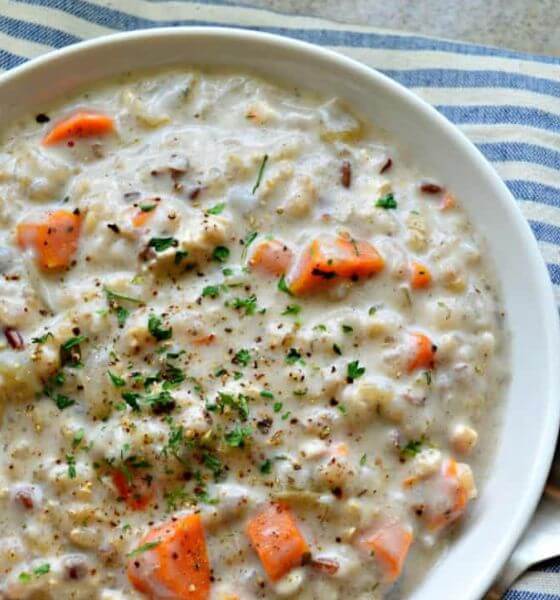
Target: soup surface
[{"x": 248, "y": 351}]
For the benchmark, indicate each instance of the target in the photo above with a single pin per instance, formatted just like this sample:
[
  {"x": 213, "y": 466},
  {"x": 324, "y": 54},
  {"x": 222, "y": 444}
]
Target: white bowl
[{"x": 531, "y": 417}]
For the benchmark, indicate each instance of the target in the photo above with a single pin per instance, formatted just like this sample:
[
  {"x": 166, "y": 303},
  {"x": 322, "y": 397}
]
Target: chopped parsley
[
  {"x": 216, "y": 209},
  {"x": 114, "y": 300},
  {"x": 213, "y": 463},
  {"x": 266, "y": 467},
  {"x": 155, "y": 327},
  {"x": 70, "y": 352},
  {"x": 336, "y": 349},
  {"x": 342, "y": 409},
  {"x": 347, "y": 329},
  {"x": 249, "y": 239},
  {"x": 144, "y": 548},
  {"x": 240, "y": 403},
  {"x": 242, "y": 357},
  {"x": 116, "y": 380},
  {"x": 42, "y": 339},
  {"x": 260, "y": 173},
  {"x": 78, "y": 437},
  {"x": 292, "y": 309},
  {"x": 63, "y": 401},
  {"x": 179, "y": 256},
  {"x": 147, "y": 207},
  {"x": 163, "y": 243},
  {"x": 237, "y": 437},
  {"x": 293, "y": 357},
  {"x": 71, "y": 462},
  {"x": 428, "y": 377},
  {"x": 266, "y": 394},
  {"x": 277, "y": 407},
  {"x": 283, "y": 286},
  {"x": 211, "y": 291},
  {"x": 220, "y": 254},
  {"x": 131, "y": 398},
  {"x": 387, "y": 202},
  {"x": 320, "y": 327},
  {"x": 411, "y": 449},
  {"x": 249, "y": 304},
  {"x": 354, "y": 371},
  {"x": 363, "y": 460}
]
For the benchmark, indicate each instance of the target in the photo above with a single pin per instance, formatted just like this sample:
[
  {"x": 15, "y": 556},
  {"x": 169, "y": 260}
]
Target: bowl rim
[{"x": 551, "y": 346}]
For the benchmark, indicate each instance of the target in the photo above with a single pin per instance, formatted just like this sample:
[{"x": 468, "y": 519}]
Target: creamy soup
[{"x": 248, "y": 350}]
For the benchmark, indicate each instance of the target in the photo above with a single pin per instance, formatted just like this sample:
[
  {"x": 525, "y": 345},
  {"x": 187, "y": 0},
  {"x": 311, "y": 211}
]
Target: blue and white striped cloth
[{"x": 507, "y": 103}]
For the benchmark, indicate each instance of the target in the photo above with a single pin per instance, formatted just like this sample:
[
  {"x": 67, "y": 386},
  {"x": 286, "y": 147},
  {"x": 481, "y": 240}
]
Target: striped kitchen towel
[{"x": 507, "y": 103}]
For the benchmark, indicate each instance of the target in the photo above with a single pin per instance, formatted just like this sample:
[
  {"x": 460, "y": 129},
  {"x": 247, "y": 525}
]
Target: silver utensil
[{"x": 541, "y": 540}]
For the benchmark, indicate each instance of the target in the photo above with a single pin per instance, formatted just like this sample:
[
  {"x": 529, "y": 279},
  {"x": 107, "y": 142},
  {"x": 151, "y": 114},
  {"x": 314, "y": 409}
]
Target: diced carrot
[
  {"x": 456, "y": 487},
  {"x": 136, "y": 492},
  {"x": 340, "y": 449},
  {"x": 420, "y": 276},
  {"x": 389, "y": 544},
  {"x": 271, "y": 256},
  {"x": 55, "y": 240},
  {"x": 142, "y": 217},
  {"x": 172, "y": 561},
  {"x": 327, "y": 258},
  {"x": 204, "y": 340},
  {"x": 448, "y": 201},
  {"x": 80, "y": 125},
  {"x": 423, "y": 352},
  {"x": 277, "y": 540}
]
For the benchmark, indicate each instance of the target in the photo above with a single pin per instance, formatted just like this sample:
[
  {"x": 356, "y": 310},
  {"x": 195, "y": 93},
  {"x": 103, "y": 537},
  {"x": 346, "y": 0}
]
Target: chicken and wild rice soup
[{"x": 247, "y": 350}]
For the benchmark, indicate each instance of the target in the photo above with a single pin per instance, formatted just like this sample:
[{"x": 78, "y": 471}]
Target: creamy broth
[{"x": 248, "y": 350}]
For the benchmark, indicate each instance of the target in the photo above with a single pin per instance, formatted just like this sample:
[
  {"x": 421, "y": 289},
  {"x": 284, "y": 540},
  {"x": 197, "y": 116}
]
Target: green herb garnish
[
  {"x": 260, "y": 173},
  {"x": 354, "y": 371},
  {"x": 42, "y": 339},
  {"x": 144, "y": 548},
  {"x": 216, "y": 209},
  {"x": 283, "y": 286},
  {"x": 163, "y": 243},
  {"x": 116, "y": 380},
  {"x": 292, "y": 309},
  {"x": 237, "y": 437},
  {"x": 242, "y": 357},
  {"x": 71, "y": 462},
  {"x": 156, "y": 329},
  {"x": 387, "y": 202},
  {"x": 221, "y": 254}
]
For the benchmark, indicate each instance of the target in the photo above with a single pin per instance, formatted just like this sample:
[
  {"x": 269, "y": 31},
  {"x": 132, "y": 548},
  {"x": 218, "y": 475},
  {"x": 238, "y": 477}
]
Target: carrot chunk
[
  {"x": 454, "y": 486},
  {"x": 420, "y": 276},
  {"x": 423, "y": 352},
  {"x": 135, "y": 492},
  {"x": 389, "y": 544},
  {"x": 171, "y": 561},
  {"x": 271, "y": 257},
  {"x": 277, "y": 540},
  {"x": 327, "y": 258},
  {"x": 82, "y": 124},
  {"x": 142, "y": 217},
  {"x": 55, "y": 240}
]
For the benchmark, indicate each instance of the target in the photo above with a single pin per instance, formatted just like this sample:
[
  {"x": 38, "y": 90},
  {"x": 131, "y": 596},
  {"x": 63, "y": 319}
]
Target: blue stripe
[
  {"x": 506, "y": 115},
  {"x": 9, "y": 60},
  {"x": 452, "y": 78},
  {"x": 537, "y": 192},
  {"x": 545, "y": 232},
  {"x": 116, "y": 19},
  {"x": 526, "y": 595},
  {"x": 520, "y": 152},
  {"x": 36, "y": 33},
  {"x": 554, "y": 272}
]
